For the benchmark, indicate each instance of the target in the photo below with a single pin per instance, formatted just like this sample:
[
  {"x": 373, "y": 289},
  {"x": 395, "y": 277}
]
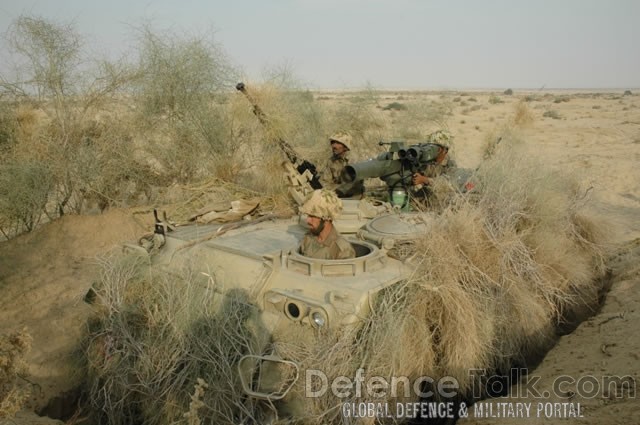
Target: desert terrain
[{"x": 595, "y": 136}]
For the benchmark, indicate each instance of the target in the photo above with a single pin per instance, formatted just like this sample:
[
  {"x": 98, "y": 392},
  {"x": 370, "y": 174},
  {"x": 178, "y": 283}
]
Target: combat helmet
[
  {"x": 342, "y": 138},
  {"x": 322, "y": 203},
  {"x": 441, "y": 137}
]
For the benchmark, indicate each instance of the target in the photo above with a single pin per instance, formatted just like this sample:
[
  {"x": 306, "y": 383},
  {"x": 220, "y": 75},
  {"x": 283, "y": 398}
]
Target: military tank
[{"x": 293, "y": 294}]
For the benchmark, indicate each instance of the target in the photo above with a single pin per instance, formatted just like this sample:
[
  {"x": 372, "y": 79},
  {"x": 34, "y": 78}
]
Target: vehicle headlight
[{"x": 319, "y": 318}]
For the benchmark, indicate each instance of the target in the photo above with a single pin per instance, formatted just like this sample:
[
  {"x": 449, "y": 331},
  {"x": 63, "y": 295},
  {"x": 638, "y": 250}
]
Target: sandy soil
[{"x": 44, "y": 275}]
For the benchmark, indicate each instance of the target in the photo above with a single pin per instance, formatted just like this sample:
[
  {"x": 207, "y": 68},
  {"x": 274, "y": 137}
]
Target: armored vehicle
[{"x": 294, "y": 294}]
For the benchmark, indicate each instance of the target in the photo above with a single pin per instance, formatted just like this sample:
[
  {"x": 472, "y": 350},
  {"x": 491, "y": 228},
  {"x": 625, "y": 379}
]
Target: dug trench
[{"x": 500, "y": 382}]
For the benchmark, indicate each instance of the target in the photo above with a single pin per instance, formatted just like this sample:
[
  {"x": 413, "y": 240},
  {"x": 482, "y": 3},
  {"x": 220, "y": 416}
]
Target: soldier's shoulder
[{"x": 345, "y": 246}]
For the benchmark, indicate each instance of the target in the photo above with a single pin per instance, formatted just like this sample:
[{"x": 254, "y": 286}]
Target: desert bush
[
  {"x": 627, "y": 93},
  {"x": 155, "y": 336},
  {"x": 395, "y": 106},
  {"x": 14, "y": 389},
  {"x": 186, "y": 149},
  {"x": 550, "y": 113},
  {"x": 495, "y": 100},
  {"x": 561, "y": 99},
  {"x": 473, "y": 108},
  {"x": 508, "y": 92},
  {"x": 52, "y": 55},
  {"x": 523, "y": 117},
  {"x": 8, "y": 128},
  {"x": 503, "y": 249},
  {"x": 24, "y": 192},
  {"x": 507, "y": 134},
  {"x": 180, "y": 74}
]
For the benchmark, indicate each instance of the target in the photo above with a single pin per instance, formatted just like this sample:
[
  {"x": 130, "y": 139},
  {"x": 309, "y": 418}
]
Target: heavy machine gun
[{"x": 300, "y": 164}]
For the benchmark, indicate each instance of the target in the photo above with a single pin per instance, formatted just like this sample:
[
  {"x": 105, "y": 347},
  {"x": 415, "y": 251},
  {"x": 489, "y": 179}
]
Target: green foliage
[
  {"x": 508, "y": 92},
  {"x": 495, "y": 100}
]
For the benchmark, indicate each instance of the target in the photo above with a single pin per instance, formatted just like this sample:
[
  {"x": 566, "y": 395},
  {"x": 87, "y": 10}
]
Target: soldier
[
  {"x": 441, "y": 165},
  {"x": 332, "y": 174},
  {"x": 323, "y": 240}
]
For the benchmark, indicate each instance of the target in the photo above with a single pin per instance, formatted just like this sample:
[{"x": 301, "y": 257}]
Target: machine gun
[
  {"x": 395, "y": 167},
  {"x": 301, "y": 165}
]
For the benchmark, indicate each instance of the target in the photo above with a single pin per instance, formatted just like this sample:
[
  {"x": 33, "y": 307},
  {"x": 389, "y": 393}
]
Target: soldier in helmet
[
  {"x": 441, "y": 165},
  {"x": 323, "y": 240},
  {"x": 332, "y": 175}
]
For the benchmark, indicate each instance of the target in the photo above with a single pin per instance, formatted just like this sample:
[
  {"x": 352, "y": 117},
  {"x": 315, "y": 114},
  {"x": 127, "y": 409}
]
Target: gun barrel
[
  {"x": 300, "y": 164},
  {"x": 371, "y": 169}
]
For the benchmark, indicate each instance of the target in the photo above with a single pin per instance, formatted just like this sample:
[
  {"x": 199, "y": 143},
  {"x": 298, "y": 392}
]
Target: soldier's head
[
  {"x": 340, "y": 144},
  {"x": 442, "y": 138},
  {"x": 323, "y": 206},
  {"x": 442, "y": 153}
]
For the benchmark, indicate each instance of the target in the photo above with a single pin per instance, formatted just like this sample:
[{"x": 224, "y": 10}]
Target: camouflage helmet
[
  {"x": 441, "y": 137},
  {"x": 322, "y": 203},
  {"x": 342, "y": 138}
]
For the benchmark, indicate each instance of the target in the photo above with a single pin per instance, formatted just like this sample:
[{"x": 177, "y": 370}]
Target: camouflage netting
[{"x": 495, "y": 275}]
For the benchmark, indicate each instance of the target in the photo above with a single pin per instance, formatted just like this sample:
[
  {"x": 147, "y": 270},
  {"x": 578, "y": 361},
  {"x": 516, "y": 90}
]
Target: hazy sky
[{"x": 387, "y": 43}]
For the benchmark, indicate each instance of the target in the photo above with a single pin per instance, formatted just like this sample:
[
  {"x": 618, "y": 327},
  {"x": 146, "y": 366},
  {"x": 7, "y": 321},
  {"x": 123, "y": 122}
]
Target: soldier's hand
[{"x": 419, "y": 178}]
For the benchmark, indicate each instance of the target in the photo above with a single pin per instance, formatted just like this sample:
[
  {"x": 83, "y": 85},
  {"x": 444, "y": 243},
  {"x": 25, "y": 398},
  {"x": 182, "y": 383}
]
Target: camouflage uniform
[
  {"x": 324, "y": 204},
  {"x": 435, "y": 169},
  {"x": 334, "y": 247},
  {"x": 331, "y": 175}
]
